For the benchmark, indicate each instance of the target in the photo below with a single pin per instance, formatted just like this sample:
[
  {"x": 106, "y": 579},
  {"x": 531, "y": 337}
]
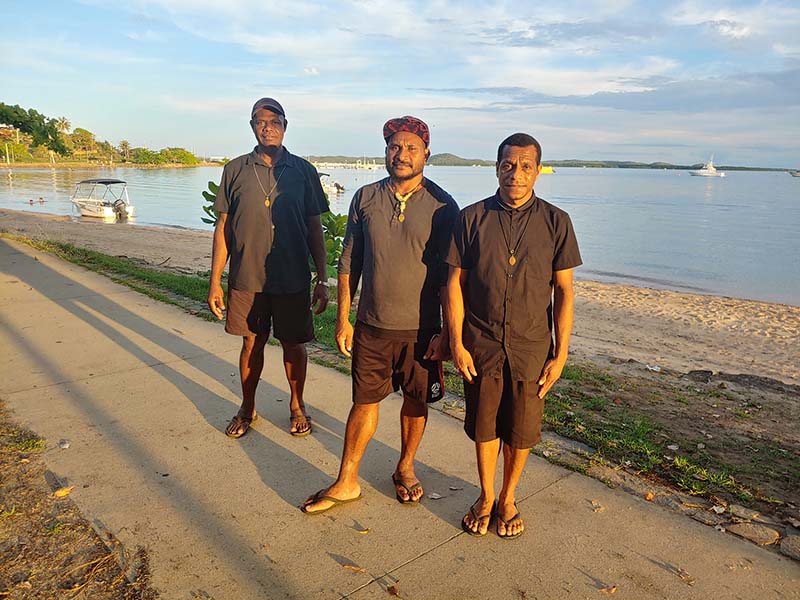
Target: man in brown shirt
[
  {"x": 511, "y": 253},
  {"x": 398, "y": 232},
  {"x": 269, "y": 204}
]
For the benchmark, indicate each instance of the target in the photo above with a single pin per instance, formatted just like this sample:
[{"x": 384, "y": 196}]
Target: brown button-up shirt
[{"x": 507, "y": 306}]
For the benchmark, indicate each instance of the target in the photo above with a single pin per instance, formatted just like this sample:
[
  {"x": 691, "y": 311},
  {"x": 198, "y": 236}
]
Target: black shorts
[
  {"x": 385, "y": 361},
  {"x": 253, "y": 313},
  {"x": 503, "y": 408}
]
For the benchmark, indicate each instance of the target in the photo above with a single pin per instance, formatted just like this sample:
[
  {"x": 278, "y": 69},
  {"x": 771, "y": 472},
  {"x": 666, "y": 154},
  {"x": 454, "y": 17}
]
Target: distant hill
[{"x": 446, "y": 159}]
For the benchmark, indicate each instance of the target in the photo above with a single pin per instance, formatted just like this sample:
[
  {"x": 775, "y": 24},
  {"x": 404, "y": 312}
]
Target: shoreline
[
  {"x": 68, "y": 166},
  {"x": 657, "y": 327}
]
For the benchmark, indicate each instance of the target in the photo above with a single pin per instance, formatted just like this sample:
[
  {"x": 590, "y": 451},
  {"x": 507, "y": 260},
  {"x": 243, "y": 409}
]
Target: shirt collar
[
  {"x": 287, "y": 159},
  {"x": 532, "y": 201}
]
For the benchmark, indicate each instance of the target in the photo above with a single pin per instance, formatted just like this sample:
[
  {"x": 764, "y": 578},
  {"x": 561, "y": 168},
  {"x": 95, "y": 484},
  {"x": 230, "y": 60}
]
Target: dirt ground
[{"x": 49, "y": 550}]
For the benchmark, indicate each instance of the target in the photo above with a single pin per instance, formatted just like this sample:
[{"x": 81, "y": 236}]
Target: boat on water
[
  {"x": 708, "y": 170},
  {"x": 331, "y": 188},
  {"x": 105, "y": 199},
  {"x": 547, "y": 170},
  {"x": 794, "y": 173}
]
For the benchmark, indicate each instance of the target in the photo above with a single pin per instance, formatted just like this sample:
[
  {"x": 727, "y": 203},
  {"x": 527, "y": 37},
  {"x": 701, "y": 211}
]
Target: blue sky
[{"x": 612, "y": 80}]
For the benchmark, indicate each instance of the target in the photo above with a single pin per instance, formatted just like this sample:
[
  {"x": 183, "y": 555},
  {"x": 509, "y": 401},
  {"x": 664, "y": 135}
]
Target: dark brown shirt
[
  {"x": 401, "y": 263},
  {"x": 507, "y": 307},
  {"x": 268, "y": 245}
]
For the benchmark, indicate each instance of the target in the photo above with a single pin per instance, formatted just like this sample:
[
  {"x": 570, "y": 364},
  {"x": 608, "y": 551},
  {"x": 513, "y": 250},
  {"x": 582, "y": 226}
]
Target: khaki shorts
[
  {"x": 384, "y": 362},
  {"x": 505, "y": 409},
  {"x": 254, "y": 313}
]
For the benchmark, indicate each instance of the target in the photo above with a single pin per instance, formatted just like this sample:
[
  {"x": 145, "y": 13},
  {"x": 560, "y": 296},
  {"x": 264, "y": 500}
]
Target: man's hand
[
  {"x": 438, "y": 348},
  {"x": 216, "y": 301},
  {"x": 319, "y": 297},
  {"x": 550, "y": 374},
  {"x": 463, "y": 363},
  {"x": 344, "y": 337}
]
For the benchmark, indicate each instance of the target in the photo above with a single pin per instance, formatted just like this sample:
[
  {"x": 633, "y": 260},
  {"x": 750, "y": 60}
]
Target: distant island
[{"x": 447, "y": 159}]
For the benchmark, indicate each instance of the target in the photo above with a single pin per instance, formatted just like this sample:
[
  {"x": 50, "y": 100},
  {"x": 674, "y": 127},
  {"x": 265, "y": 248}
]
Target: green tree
[
  {"x": 83, "y": 141},
  {"x": 145, "y": 156},
  {"x": 178, "y": 156},
  {"x": 125, "y": 150},
  {"x": 43, "y": 131}
]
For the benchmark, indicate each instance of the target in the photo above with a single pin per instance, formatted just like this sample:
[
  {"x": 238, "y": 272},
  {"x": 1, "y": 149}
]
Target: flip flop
[
  {"x": 506, "y": 523},
  {"x": 296, "y": 418},
  {"x": 480, "y": 519},
  {"x": 236, "y": 422},
  {"x": 321, "y": 495},
  {"x": 397, "y": 481}
]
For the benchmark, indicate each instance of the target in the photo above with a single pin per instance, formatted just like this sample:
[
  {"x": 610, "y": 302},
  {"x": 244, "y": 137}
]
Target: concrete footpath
[{"x": 143, "y": 392}]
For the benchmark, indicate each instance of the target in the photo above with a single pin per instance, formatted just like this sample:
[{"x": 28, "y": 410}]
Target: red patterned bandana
[{"x": 407, "y": 123}]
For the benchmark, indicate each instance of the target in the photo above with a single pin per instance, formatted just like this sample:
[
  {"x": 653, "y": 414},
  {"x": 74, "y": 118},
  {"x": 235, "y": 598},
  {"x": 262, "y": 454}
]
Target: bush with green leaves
[{"x": 210, "y": 196}]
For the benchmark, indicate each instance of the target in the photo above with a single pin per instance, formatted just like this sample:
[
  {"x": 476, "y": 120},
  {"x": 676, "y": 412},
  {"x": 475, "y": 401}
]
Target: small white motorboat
[
  {"x": 331, "y": 188},
  {"x": 103, "y": 199},
  {"x": 794, "y": 173},
  {"x": 708, "y": 170}
]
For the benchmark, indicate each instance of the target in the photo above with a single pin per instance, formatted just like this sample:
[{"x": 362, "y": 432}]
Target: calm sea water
[{"x": 735, "y": 236}]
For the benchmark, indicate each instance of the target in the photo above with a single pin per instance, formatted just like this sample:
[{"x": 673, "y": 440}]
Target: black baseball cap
[{"x": 268, "y": 103}]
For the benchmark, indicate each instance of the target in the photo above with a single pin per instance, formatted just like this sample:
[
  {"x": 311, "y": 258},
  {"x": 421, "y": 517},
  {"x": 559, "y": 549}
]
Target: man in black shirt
[
  {"x": 269, "y": 204},
  {"x": 510, "y": 253}
]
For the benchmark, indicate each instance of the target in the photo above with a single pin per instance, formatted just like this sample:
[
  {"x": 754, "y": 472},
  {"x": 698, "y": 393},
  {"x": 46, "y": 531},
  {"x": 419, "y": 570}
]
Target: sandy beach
[{"x": 657, "y": 327}]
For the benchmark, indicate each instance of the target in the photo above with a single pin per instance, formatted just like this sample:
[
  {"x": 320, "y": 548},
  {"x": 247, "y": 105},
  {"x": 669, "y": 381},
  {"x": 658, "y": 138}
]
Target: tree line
[{"x": 26, "y": 135}]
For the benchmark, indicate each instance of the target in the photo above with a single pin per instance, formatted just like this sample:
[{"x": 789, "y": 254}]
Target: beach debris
[
  {"x": 597, "y": 507},
  {"x": 609, "y": 589},
  {"x": 654, "y": 368},
  {"x": 435, "y": 496},
  {"x": 393, "y": 591},
  {"x": 63, "y": 444},
  {"x": 684, "y": 575},
  {"x": 701, "y": 446},
  {"x": 455, "y": 488},
  {"x": 720, "y": 528},
  {"x": 63, "y": 492},
  {"x": 718, "y": 509},
  {"x": 649, "y": 496},
  {"x": 627, "y": 463},
  {"x": 354, "y": 568},
  {"x": 363, "y": 531},
  {"x": 24, "y": 460},
  {"x": 673, "y": 447}
]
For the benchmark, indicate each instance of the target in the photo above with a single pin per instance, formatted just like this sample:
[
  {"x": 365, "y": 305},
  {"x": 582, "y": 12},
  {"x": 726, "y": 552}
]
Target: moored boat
[
  {"x": 708, "y": 170},
  {"x": 103, "y": 199}
]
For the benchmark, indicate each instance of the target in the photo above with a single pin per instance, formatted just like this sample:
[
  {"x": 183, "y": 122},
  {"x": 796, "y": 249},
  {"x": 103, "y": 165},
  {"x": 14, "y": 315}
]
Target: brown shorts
[
  {"x": 384, "y": 362},
  {"x": 252, "y": 313},
  {"x": 505, "y": 409}
]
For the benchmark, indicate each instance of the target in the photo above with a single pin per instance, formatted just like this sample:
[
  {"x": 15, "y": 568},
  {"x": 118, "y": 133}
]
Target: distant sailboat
[{"x": 708, "y": 170}]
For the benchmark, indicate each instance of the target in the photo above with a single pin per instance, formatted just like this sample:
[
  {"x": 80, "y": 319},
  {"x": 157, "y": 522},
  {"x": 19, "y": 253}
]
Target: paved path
[{"x": 143, "y": 392}]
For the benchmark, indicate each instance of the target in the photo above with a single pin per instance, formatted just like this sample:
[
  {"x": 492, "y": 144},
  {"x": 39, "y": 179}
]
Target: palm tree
[
  {"x": 63, "y": 124},
  {"x": 125, "y": 149}
]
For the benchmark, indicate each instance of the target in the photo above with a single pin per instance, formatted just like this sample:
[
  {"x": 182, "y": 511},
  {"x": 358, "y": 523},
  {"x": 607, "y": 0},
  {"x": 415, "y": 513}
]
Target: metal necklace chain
[
  {"x": 512, "y": 258},
  {"x": 267, "y": 194},
  {"x": 403, "y": 198}
]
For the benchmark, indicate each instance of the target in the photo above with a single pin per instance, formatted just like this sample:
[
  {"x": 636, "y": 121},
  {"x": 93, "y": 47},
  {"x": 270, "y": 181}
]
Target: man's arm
[
  {"x": 219, "y": 256},
  {"x": 563, "y": 304},
  {"x": 454, "y": 314},
  {"x": 316, "y": 245}
]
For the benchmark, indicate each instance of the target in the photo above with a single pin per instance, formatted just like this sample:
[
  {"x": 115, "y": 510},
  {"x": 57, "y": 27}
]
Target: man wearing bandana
[{"x": 398, "y": 232}]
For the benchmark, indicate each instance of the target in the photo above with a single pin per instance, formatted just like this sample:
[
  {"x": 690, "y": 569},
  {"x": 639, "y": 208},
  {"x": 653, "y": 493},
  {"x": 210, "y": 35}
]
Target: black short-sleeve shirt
[
  {"x": 507, "y": 307},
  {"x": 268, "y": 245},
  {"x": 401, "y": 263}
]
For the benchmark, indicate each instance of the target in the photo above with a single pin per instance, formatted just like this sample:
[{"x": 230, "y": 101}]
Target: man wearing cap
[
  {"x": 510, "y": 254},
  {"x": 269, "y": 204},
  {"x": 398, "y": 232}
]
